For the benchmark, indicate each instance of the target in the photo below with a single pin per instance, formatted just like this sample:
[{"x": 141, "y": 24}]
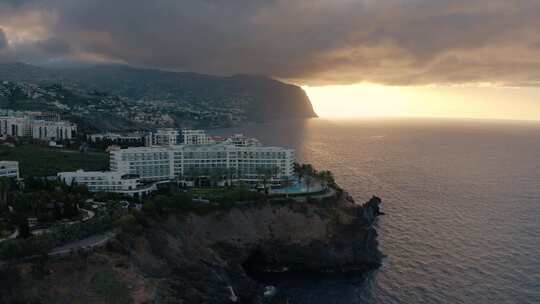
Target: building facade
[
  {"x": 9, "y": 169},
  {"x": 29, "y": 126},
  {"x": 162, "y": 137},
  {"x": 128, "y": 139},
  {"x": 15, "y": 126},
  {"x": 241, "y": 160},
  {"x": 107, "y": 181},
  {"x": 195, "y": 137},
  {"x": 52, "y": 130}
]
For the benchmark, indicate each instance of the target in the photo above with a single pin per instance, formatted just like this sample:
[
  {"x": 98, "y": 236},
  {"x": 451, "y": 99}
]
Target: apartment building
[{"x": 36, "y": 126}]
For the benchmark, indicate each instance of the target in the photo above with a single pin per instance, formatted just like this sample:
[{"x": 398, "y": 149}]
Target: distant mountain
[{"x": 126, "y": 98}]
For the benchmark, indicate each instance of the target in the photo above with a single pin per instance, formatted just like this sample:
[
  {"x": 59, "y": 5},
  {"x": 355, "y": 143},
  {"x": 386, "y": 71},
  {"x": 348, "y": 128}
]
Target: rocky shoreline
[
  {"x": 212, "y": 258},
  {"x": 206, "y": 259}
]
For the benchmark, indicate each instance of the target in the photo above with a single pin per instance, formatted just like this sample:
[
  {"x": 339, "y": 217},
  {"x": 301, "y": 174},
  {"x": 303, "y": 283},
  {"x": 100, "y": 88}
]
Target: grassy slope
[{"x": 41, "y": 161}]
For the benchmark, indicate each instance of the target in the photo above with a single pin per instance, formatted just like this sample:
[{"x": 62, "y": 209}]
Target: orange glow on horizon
[{"x": 467, "y": 101}]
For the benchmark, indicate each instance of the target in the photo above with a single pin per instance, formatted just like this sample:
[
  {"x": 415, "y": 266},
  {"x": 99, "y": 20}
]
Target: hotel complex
[
  {"x": 239, "y": 157},
  {"x": 36, "y": 125},
  {"x": 185, "y": 157}
]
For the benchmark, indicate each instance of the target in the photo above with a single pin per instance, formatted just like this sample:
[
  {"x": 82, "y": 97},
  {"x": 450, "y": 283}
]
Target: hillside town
[{"x": 120, "y": 112}]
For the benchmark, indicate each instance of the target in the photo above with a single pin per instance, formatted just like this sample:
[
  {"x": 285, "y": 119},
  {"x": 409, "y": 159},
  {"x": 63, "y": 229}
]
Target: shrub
[
  {"x": 129, "y": 224},
  {"x": 110, "y": 289}
]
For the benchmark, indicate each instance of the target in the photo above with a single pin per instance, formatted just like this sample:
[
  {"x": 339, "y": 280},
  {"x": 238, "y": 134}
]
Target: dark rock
[{"x": 209, "y": 259}]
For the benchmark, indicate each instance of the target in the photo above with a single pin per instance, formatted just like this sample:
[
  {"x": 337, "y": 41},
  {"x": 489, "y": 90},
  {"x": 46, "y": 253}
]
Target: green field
[{"x": 42, "y": 161}]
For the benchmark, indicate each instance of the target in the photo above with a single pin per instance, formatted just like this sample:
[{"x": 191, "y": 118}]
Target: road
[{"x": 91, "y": 242}]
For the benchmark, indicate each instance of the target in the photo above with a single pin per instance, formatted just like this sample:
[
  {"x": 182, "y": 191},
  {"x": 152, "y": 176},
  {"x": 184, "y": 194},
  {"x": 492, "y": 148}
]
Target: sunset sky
[{"x": 444, "y": 58}]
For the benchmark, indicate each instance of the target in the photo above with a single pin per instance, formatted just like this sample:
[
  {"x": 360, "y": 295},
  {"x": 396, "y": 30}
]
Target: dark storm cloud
[
  {"x": 54, "y": 47},
  {"x": 3, "y": 40},
  {"x": 311, "y": 41}
]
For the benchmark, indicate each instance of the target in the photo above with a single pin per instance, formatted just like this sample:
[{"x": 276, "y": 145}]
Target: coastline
[{"x": 211, "y": 257}]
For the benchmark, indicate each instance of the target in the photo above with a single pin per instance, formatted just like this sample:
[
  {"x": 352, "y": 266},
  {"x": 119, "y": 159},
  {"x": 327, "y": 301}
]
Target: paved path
[
  {"x": 90, "y": 242},
  {"x": 14, "y": 235},
  {"x": 89, "y": 214}
]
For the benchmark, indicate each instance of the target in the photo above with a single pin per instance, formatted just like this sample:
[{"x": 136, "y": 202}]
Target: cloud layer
[{"x": 309, "y": 41}]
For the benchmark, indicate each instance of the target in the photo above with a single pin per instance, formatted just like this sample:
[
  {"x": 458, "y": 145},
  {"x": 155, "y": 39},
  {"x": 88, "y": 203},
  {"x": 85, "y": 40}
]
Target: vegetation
[
  {"x": 59, "y": 235},
  {"x": 206, "y": 177},
  {"x": 199, "y": 200},
  {"x": 41, "y": 161},
  {"x": 308, "y": 171},
  {"x": 18, "y": 248},
  {"x": 224, "y": 195},
  {"x": 110, "y": 288},
  {"x": 50, "y": 202},
  {"x": 6, "y": 186},
  {"x": 129, "y": 224}
]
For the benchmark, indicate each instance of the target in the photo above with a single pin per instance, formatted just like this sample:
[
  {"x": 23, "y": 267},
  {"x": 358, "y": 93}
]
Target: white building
[
  {"x": 52, "y": 130},
  {"x": 162, "y": 137},
  {"x": 240, "y": 140},
  {"x": 132, "y": 138},
  {"x": 150, "y": 163},
  {"x": 26, "y": 125},
  {"x": 195, "y": 137},
  {"x": 9, "y": 169},
  {"x": 240, "y": 158},
  {"x": 106, "y": 181},
  {"x": 15, "y": 126}
]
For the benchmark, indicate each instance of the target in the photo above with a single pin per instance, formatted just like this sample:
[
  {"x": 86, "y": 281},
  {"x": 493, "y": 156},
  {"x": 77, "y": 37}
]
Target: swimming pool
[{"x": 299, "y": 187}]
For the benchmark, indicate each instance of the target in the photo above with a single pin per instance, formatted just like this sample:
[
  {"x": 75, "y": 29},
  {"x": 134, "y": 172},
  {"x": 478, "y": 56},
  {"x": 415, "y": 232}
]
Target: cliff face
[{"x": 205, "y": 259}]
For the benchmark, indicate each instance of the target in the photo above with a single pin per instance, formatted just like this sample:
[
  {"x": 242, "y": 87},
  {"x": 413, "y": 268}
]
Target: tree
[
  {"x": 5, "y": 186},
  {"x": 216, "y": 176},
  {"x": 229, "y": 175},
  {"x": 327, "y": 177},
  {"x": 309, "y": 180},
  {"x": 22, "y": 224},
  {"x": 260, "y": 172},
  {"x": 192, "y": 174}
]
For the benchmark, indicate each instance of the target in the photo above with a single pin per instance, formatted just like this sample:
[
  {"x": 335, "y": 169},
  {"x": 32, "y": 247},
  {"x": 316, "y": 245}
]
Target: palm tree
[
  {"x": 309, "y": 180},
  {"x": 5, "y": 185},
  {"x": 229, "y": 173},
  {"x": 260, "y": 173},
  {"x": 327, "y": 177},
  {"x": 192, "y": 174},
  {"x": 216, "y": 176}
]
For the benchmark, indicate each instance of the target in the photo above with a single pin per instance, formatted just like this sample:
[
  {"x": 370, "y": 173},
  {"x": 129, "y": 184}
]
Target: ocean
[{"x": 462, "y": 204}]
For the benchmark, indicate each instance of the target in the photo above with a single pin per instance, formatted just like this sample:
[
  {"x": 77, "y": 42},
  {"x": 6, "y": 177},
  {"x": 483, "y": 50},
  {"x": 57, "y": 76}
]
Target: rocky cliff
[{"x": 207, "y": 258}]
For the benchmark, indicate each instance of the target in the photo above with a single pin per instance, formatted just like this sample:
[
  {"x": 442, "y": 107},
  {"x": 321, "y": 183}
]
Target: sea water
[{"x": 462, "y": 203}]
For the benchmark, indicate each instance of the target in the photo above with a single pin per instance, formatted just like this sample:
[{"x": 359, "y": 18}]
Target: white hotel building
[
  {"x": 243, "y": 157},
  {"x": 106, "y": 181}
]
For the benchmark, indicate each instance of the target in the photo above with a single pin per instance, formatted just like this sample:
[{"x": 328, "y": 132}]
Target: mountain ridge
[{"x": 177, "y": 98}]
